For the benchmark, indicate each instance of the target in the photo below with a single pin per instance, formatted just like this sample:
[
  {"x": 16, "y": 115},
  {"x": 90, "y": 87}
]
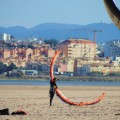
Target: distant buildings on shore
[
  {"x": 112, "y": 49},
  {"x": 78, "y": 48},
  {"x": 5, "y": 37},
  {"x": 79, "y": 56}
]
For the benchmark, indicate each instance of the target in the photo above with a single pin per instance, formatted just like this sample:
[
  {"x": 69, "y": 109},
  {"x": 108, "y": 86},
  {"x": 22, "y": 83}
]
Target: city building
[
  {"x": 112, "y": 49},
  {"x": 78, "y": 48},
  {"x": 50, "y": 52},
  {"x": 5, "y": 53},
  {"x": 96, "y": 67},
  {"x": 5, "y": 37},
  {"x": 66, "y": 65}
]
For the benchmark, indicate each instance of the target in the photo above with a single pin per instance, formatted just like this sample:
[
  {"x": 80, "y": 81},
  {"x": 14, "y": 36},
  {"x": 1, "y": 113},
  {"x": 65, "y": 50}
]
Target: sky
[{"x": 29, "y": 13}]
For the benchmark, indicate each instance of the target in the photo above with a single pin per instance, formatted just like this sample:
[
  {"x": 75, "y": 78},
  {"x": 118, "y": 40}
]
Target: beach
[{"x": 35, "y": 101}]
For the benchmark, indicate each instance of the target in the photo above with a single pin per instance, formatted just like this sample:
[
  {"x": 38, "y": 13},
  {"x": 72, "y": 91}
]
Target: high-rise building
[
  {"x": 5, "y": 37},
  {"x": 78, "y": 48}
]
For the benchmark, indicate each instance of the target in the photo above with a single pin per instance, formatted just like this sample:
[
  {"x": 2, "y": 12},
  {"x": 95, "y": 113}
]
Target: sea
[{"x": 60, "y": 83}]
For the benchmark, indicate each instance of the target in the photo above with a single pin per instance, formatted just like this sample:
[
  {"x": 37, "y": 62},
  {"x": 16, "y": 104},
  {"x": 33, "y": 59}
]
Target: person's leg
[
  {"x": 51, "y": 98},
  {"x": 50, "y": 101}
]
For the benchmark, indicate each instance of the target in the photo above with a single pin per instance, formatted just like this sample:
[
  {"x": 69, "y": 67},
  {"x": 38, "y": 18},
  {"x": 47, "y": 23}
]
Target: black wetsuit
[{"x": 53, "y": 86}]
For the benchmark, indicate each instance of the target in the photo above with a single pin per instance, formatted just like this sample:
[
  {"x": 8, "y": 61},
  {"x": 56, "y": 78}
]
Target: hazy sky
[{"x": 29, "y": 13}]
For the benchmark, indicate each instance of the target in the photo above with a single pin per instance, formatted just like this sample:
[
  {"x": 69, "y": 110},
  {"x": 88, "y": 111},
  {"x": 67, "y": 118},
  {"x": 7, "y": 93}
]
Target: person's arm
[{"x": 55, "y": 86}]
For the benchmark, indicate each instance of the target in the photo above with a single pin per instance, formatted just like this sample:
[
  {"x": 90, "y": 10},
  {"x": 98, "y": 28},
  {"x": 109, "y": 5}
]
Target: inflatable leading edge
[
  {"x": 113, "y": 11},
  {"x": 62, "y": 97}
]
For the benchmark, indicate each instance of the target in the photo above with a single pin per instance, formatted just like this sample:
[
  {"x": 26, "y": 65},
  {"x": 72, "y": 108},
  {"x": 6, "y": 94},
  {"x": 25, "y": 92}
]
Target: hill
[{"x": 63, "y": 31}]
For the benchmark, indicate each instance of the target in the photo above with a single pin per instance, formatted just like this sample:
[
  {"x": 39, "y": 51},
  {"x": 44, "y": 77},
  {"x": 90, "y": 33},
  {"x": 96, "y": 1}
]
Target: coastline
[{"x": 47, "y": 77}]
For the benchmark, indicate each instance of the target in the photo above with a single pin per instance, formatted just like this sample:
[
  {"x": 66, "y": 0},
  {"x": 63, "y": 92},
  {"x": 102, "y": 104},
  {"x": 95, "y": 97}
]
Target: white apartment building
[
  {"x": 112, "y": 49},
  {"x": 5, "y": 37}
]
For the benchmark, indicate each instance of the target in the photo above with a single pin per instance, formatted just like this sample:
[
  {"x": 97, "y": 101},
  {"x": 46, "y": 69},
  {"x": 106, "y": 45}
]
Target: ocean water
[{"x": 60, "y": 83}]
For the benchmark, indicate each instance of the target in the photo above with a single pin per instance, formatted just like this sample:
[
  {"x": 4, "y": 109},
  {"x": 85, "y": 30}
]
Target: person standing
[{"x": 53, "y": 86}]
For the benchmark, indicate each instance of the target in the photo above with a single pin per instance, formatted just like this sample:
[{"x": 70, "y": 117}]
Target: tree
[
  {"x": 31, "y": 46},
  {"x": 3, "y": 68},
  {"x": 12, "y": 37},
  {"x": 11, "y": 67},
  {"x": 52, "y": 42}
]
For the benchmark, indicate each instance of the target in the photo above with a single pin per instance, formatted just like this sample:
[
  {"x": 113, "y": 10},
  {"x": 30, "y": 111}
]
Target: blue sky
[{"x": 29, "y": 13}]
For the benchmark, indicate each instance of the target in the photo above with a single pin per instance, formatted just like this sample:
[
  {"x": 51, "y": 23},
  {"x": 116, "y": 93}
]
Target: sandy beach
[{"x": 35, "y": 101}]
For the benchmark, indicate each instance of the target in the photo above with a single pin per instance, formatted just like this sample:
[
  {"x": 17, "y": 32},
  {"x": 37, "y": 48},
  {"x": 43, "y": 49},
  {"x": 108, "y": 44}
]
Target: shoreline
[{"x": 70, "y": 78}]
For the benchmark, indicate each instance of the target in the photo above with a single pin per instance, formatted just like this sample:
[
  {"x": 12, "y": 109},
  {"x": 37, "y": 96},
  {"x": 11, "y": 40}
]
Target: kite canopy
[
  {"x": 59, "y": 93},
  {"x": 113, "y": 11}
]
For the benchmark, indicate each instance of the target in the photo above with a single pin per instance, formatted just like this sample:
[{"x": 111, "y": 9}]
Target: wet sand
[{"x": 35, "y": 101}]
